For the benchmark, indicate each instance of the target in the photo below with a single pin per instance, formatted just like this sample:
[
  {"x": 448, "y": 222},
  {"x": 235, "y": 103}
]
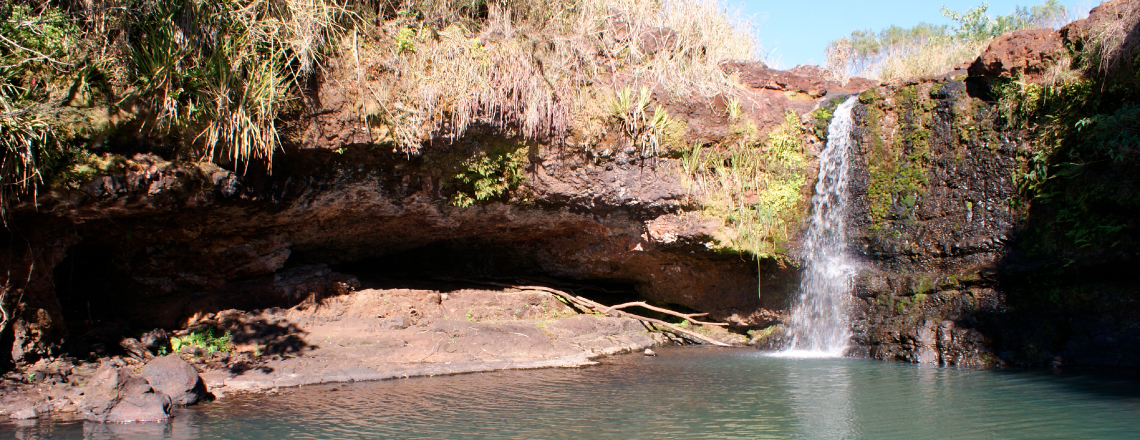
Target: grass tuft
[{"x": 755, "y": 187}]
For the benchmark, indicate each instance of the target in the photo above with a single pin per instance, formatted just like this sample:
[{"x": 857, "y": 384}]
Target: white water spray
[{"x": 820, "y": 325}]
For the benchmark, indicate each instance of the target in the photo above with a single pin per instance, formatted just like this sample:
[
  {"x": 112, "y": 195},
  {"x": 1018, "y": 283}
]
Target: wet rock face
[
  {"x": 932, "y": 183},
  {"x": 946, "y": 276},
  {"x": 932, "y": 222},
  {"x": 905, "y": 329}
]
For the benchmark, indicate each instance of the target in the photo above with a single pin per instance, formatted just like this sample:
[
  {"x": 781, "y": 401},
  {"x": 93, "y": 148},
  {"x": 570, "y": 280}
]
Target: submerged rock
[
  {"x": 116, "y": 395},
  {"x": 176, "y": 378}
]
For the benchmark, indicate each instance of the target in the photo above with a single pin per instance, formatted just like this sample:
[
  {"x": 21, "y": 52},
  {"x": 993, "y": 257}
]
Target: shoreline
[{"x": 370, "y": 335}]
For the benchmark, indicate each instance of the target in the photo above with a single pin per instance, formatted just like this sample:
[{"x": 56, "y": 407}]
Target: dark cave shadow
[
  {"x": 273, "y": 338},
  {"x": 452, "y": 265},
  {"x": 280, "y": 338}
]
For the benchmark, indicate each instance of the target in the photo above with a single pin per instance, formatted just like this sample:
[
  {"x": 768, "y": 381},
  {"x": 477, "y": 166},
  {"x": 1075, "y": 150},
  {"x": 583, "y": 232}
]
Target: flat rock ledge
[
  {"x": 364, "y": 335},
  {"x": 379, "y": 334}
]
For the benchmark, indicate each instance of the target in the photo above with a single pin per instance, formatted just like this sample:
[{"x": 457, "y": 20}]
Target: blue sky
[{"x": 796, "y": 32}]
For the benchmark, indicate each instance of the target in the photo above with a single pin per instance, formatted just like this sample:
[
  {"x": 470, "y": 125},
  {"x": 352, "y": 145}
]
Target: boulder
[
  {"x": 1024, "y": 54},
  {"x": 175, "y": 378},
  {"x": 116, "y": 395},
  {"x": 135, "y": 348}
]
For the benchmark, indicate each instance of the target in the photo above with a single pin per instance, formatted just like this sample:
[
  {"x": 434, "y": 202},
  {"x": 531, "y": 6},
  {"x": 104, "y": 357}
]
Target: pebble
[{"x": 649, "y": 352}]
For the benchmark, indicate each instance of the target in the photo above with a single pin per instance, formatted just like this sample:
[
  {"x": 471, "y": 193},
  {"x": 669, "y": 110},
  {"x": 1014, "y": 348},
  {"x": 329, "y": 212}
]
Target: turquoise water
[{"x": 685, "y": 393}]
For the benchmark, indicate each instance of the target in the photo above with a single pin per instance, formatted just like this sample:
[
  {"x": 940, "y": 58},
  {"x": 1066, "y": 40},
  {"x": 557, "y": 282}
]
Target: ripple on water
[{"x": 685, "y": 393}]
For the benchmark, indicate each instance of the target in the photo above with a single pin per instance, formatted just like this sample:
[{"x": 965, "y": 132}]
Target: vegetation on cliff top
[
  {"x": 928, "y": 49},
  {"x": 1077, "y": 177},
  {"x": 216, "y": 80}
]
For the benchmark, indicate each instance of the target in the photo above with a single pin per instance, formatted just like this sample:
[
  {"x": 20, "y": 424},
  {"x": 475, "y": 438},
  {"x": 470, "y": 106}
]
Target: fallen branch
[
  {"x": 690, "y": 317},
  {"x": 675, "y": 329},
  {"x": 591, "y": 306}
]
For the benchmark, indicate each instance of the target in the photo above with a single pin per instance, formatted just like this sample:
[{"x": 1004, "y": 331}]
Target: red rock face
[
  {"x": 158, "y": 243},
  {"x": 31, "y": 309},
  {"x": 150, "y": 259},
  {"x": 1023, "y": 54}
]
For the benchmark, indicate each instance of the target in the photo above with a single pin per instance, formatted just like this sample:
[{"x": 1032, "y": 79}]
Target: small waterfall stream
[{"x": 820, "y": 325}]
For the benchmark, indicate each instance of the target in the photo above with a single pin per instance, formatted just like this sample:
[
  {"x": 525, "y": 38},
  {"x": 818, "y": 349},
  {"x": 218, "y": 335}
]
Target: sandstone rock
[
  {"x": 115, "y": 395},
  {"x": 759, "y": 76},
  {"x": 1027, "y": 54},
  {"x": 175, "y": 378},
  {"x": 649, "y": 352},
  {"x": 397, "y": 323},
  {"x": 25, "y": 412}
]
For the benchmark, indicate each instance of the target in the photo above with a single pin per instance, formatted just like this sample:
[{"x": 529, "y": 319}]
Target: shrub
[
  {"x": 927, "y": 49},
  {"x": 211, "y": 76},
  {"x": 490, "y": 174},
  {"x": 755, "y": 187},
  {"x": 204, "y": 339},
  {"x": 33, "y": 46}
]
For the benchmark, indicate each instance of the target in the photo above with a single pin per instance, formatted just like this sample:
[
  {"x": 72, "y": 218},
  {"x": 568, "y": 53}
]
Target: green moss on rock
[{"x": 898, "y": 170}]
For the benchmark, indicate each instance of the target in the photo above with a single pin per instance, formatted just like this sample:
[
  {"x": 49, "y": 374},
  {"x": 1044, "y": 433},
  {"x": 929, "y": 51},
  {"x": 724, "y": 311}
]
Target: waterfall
[{"x": 820, "y": 326}]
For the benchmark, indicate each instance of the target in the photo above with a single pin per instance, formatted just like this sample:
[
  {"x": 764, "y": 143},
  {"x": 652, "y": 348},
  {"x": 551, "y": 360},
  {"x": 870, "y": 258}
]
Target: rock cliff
[
  {"x": 146, "y": 242},
  {"x": 949, "y": 232}
]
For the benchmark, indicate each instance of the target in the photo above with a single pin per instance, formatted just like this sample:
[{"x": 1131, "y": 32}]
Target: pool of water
[{"x": 685, "y": 393}]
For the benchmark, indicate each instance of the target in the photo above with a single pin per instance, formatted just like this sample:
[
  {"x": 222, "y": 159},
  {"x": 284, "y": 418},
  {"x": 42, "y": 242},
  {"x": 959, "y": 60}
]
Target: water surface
[{"x": 685, "y": 393}]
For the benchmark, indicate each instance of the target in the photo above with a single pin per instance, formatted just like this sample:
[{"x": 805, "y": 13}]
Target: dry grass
[
  {"x": 1114, "y": 39},
  {"x": 925, "y": 49},
  {"x": 931, "y": 57},
  {"x": 923, "y": 57},
  {"x": 538, "y": 75}
]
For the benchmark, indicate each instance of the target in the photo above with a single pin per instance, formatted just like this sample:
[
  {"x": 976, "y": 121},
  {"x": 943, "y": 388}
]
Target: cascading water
[{"x": 820, "y": 326}]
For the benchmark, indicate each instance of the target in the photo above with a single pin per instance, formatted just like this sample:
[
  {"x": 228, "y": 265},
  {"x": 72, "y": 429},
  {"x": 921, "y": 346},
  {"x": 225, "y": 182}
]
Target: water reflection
[
  {"x": 687, "y": 393},
  {"x": 820, "y": 392},
  {"x": 185, "y": 425}
]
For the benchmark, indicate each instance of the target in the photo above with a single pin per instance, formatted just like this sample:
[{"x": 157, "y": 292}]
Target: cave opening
[
  {"x": 467, "y": 264},
  {"x": 110, "y": 288}
]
